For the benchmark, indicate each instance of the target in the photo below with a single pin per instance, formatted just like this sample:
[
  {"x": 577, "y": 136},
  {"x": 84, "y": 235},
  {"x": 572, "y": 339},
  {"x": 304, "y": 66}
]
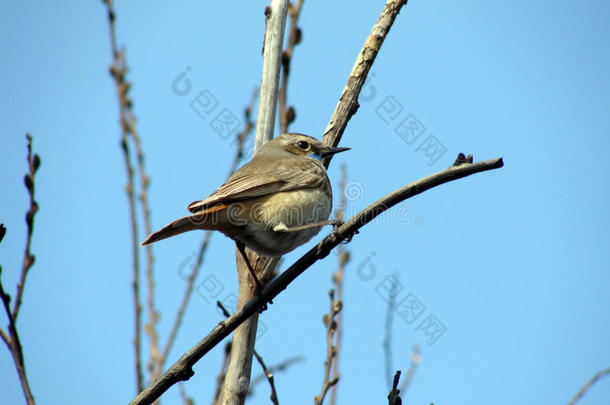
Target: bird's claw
[
  {"x": 337, "y": 223},
  {"x": 349, "y": 236}
]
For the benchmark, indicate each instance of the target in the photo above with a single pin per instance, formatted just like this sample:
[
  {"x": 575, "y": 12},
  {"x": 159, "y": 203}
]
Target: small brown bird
[{"x": 274, "y": 203}]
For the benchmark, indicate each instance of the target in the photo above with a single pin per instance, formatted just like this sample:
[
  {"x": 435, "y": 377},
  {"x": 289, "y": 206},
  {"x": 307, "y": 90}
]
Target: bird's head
[{"x": 302, "y": 145}]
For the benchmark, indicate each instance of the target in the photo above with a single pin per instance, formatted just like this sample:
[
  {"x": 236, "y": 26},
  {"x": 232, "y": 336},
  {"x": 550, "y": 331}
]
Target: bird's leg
[
  {"x": 283, "y": 228},
  {"x": 242, "y": 249}
]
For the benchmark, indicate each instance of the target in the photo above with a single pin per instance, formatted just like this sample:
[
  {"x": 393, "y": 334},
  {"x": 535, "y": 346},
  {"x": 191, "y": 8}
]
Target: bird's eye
[{"x": 303, "y": 145}]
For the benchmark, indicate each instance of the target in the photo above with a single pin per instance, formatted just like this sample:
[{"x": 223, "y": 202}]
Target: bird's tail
[
  {"x": 213, "y": 218},
  {"x": 181, "y": 225}
]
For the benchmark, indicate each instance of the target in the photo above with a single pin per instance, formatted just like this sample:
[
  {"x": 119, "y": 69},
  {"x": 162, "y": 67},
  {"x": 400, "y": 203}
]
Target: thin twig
[
  {"x": 588, "y": 385},
  {"x": 14, "y": 345},
  {"x": 281, "y": 366},
  {"x": 185, "y": 398},
  {"x": 28, "y": 257},
  {"x": 387, "y": 335},
  {"x": 331, "y": 350},
  {"x": 348, "y": 102},
  {"x": 118, "y": 70},
  {"x": 394, "y": 395},
  {"x": 182, "y": 370},
  {"x": 338, "y": 278},
  {"x": 11, "y": 338},
  {"x": 241, "y": 137},
  {"x": 294, "y": 38},
  {"x": 269, "y": 375},
  {"x": 221, "y": 376},
  {"x": 266, "y": 370},
  {"x": 415, "y": 359}
]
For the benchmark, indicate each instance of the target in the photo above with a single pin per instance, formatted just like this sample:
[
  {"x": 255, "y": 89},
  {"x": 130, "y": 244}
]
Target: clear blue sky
[{"x": 513, "y": 262}]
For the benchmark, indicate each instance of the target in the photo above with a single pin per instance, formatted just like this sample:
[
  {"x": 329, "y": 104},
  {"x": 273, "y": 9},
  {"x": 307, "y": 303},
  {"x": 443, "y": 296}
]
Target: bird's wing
[{"x": 253, "y": 181}]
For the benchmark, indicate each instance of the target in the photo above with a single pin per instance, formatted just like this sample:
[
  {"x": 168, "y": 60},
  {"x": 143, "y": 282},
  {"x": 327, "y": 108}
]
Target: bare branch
[
  {"x": 394, "y": 395},
  {"x": 28, "y": 257},
  {"x": 294, "y": 38},
  {"x": 338, "y": 281},
  {"x": 272, "y": 51},
  {"x": 237, "y": 379},
  {"x": 415, "y": 359},
  {"x": 182, "y": 369},
  {"x": 588, "y": 385},
  {"x": 185, "y": 398},
  {"x": 266, "y": 371},
  {"x": 220, "y": 380},
  {"x": 281, "y": 366},
  {"x": 245, "y": 132},
  {"x": 331, "y": 351},
  {"x": 14, "y": 345},
  {"x": 11, "y": 338},
  {"x": 348, "y": 102},
  {"x": 269, "y": 376},
  {"x": 387, "y": 335},
  {"x": 118, "y": 70},
  {"x": 3, "y": 334}
]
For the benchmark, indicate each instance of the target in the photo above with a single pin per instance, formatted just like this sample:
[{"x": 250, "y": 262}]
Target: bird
[{"x": 273, "y": 204}]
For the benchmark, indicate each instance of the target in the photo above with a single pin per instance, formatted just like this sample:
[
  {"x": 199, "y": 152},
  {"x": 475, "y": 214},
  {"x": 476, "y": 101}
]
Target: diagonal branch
[
  {"x": 281, "y": 366},
  {"x": 13, "y": 342},
  {"x": 182, "y": 369},
  {"x": 348, "y": 102},
  {"x": 588, "y": 385}
]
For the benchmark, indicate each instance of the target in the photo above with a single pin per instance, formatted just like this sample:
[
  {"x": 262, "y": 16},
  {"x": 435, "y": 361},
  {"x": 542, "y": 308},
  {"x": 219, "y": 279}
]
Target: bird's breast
[
  {"x": 289, "y": 208},
  {"x": 293, "y": 208}
]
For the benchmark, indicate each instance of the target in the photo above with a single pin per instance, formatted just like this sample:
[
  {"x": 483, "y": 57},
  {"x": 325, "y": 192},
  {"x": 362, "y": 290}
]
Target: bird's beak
[{"x": 328, "y": 151}]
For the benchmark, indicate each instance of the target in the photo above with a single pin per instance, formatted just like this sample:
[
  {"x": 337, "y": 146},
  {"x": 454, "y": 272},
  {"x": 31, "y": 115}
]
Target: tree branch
[
  {"x": 11, "y": 338},
  {"x": 394, "y": 395},
  {"x": 237, "y": 379},
  {"x": 331, "y": 350},
  {"x": 344, "y": 256},
  {"x": 182, "y": 369},
  {"x": 415, "y": 359},
  {"x": 270, "y": 378},
  {"x": 281, "y": 366},
  {"x": 588, "y": 385},
  {"x": 294, "y": 38},
  {"x": 259, "y": 358},
  {"x": 28, "y": 257},
  {"x": 118, "y": 70},
  {"x": 220, "y": 380},
  {"x": 348, "y": 102},
  {"x": 274, "y": 36},
  {"x": 387, "y": 336}
]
